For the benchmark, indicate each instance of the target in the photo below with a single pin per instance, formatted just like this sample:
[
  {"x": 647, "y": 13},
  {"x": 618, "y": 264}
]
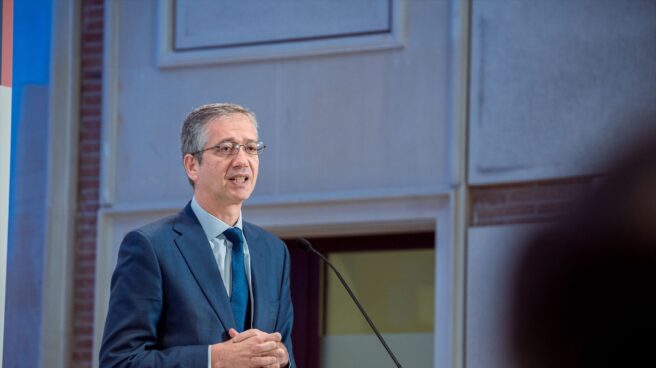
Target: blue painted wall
[{"x": 27, "y": 197}]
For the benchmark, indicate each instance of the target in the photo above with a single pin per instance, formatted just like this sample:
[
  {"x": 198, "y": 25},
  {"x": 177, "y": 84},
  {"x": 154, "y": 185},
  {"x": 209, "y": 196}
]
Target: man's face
[{"x": 226, "y": 180}]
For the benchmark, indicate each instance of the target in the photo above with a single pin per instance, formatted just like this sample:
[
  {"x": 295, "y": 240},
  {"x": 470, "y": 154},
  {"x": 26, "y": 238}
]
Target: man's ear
[{"x": 191, "y": 164}]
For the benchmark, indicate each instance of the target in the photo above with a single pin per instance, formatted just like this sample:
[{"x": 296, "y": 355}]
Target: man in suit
[{"x": 204, "y": 288}]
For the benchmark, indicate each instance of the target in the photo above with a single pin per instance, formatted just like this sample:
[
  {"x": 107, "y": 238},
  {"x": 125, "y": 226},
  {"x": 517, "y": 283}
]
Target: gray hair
[{"x": 193, "y": 136}]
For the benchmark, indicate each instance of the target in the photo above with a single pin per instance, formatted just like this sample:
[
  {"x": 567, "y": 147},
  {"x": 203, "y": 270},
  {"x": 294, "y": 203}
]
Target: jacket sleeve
[{"x": 135, "y": 307}]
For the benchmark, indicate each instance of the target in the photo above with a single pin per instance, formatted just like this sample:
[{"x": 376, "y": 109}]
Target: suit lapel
[
  {"x": 197, "y": 253},
  {"x": 258, "y": 273}
]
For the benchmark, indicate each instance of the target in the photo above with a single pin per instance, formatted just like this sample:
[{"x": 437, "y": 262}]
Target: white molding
[
  {"x": 451, "y": 252},
  {"x": 372, "y": 215},
  {"x": 5, "y": 163},
  {"x": 316, "y": 198},
  {"x": 58, "y": 283},
  {"x": 103, "y": 276},
  {"x": 167, "y": 57},
  {"x": 109, "y": 115}
]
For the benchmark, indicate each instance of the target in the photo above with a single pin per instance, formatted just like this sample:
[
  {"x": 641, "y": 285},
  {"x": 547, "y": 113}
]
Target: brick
[
  {"x": 84, "y": 282},
  {"x": 92, "y": 85},
  {"x": 530, "y": 193},
  {"x": 92, "y": 12},
  {"x": 85, "y": 305},
  {"x": 93, "y": 25},
  {"x": 89, "y": 197},
  {"x": 91, "y": 98},
  {"x": 90, "y": 123},
  {"x": 87, "y": 295},
  {"x": 94, "y": 3},
  {"x": 88, "y": 236},
  {"x": 489, "y": 197},
  {"x": 87, "y": 330},
  {"x": 89, "y": 205},
  {"x": 91, "y": 239},
  {"x": 88, "y": 269},
  {"x": 90, "y": 170},
  {"x": 90, "y": 158},
  {"x": 92, "y": 50},
  {"x": 84, "y": 343},
  {"x": 86, "y": 244},
  {"x": 93, "y": 110},
  {"x": 88, "y": 83},
  {"x": 86, "y": 181},
  {"x": 87, "y": 223},
  {"x": 90, "y": 134},
  {"x": 85, "y": 257},
  {"x": 82, "y": 357},
  {"x": 515, "y": 209},
  {"x": 83, "y": 323},
  {"x": 85, "y": 166},
  {"x": 530, "y": 202},
  {"x": 88, "y": 106},
  {"x": 95, "y": 73},
  {"x": 92, "y": 37}
]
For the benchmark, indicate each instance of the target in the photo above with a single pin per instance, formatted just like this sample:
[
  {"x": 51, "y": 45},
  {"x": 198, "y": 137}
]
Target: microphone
[{"x": 307, "y": 246}]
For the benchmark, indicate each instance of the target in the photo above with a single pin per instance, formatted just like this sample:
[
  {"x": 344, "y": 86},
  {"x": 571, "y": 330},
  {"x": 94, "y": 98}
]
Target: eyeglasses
[{"x": 232, "y": 148}]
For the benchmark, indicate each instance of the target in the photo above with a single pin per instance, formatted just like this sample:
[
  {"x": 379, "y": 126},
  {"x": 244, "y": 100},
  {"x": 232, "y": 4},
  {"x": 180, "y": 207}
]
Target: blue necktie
[{"x": 239, "y": 294}]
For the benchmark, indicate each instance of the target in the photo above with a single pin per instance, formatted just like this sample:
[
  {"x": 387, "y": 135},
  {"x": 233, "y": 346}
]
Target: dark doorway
[{"x": 308, "y": 275}]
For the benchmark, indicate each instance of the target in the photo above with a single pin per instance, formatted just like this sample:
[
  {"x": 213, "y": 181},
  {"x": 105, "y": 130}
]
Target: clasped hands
[{"x": 250, "y": 349}]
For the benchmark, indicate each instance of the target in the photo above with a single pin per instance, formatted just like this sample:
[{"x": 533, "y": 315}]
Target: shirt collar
[{"x": 211, "y": 225}]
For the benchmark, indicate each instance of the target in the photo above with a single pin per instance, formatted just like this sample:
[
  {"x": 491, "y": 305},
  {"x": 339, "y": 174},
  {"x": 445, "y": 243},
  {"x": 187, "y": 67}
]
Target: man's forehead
[
  {"x": 231, "y": 119},
  {"x": 226, "y": 125}
]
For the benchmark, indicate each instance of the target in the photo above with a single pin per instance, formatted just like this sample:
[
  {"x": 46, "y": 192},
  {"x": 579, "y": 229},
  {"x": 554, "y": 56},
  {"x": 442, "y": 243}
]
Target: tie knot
[{"x": 234, "y": 235}]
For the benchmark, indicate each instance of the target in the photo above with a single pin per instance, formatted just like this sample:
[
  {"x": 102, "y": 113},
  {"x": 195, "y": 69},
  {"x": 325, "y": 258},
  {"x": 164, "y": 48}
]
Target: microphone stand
[{"x": 307, "y": 246}]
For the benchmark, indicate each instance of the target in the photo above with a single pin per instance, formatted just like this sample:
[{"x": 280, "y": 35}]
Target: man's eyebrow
[{"x": 233, "y": 140}]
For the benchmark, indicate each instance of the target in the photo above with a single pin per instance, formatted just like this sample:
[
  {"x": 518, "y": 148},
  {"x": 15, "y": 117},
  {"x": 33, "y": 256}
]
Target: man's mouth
[{"x": 239, "y": 179}]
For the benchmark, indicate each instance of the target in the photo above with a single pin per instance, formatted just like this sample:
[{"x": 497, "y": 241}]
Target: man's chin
[{"x": 239, "y": 196}]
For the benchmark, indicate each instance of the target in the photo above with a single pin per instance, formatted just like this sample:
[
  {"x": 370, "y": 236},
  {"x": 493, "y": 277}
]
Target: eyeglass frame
[{"x": 237, "y": 148}]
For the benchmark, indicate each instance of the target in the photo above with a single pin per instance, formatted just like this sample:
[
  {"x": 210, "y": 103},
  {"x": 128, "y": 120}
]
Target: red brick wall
[
  {"x": 91, "y": 50},
  {"x": 522, "y": 203}
]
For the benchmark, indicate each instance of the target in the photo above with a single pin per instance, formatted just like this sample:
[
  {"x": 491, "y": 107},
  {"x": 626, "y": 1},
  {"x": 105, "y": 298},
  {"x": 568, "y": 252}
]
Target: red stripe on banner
[{"x": 7, "y": 41}]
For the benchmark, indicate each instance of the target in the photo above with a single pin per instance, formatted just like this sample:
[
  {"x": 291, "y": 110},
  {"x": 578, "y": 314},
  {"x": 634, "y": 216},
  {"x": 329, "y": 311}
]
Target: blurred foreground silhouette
[{"x": 584, "y": 292}]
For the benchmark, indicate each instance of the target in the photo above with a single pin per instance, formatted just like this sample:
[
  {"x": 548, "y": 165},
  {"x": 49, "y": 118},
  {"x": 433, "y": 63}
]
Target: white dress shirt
[{"x": 222, "y": 250}]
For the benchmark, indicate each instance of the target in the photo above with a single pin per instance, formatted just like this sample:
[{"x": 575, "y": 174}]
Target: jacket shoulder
[
  {"x": 165, "y": 227},
  {"x": 263, "y": 236}
]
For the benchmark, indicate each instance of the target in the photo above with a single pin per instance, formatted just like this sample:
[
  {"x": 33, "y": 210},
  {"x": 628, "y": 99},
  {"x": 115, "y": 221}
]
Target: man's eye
[
  {"x": 225, "y": 148},
  {"x": 251, "y": 148}
]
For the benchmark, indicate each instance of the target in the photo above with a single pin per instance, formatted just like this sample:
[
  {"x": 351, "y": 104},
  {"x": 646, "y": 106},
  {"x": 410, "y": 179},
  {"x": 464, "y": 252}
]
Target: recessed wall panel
[
  {"x": 557, "y": 87},
  {"x": 231, "y": 23}
]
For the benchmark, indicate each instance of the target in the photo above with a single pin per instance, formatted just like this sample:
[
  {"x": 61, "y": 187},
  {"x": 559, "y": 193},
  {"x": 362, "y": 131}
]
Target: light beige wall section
[
  {"x": 57, "y": 323},
  {"x": 369, "y": 120},
  {"x": 493, "y": 252},
  {"x": 358, "y": 137}
]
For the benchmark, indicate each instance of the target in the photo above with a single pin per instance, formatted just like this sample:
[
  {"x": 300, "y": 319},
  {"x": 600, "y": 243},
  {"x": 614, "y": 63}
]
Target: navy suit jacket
[{"x": 168, "y": 302}]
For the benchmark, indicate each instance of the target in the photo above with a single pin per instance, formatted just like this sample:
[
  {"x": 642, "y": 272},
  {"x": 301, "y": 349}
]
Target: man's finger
[
  {"x": 264, "y": 361},
  {"x": 276, "y": 336},
  {"x": 265, "y": 347},
  {"x": 239, "y": 337}
]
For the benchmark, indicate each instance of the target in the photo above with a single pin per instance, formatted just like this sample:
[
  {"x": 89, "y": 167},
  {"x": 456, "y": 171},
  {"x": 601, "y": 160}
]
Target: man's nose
[{"x": 241, "y": 157}]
